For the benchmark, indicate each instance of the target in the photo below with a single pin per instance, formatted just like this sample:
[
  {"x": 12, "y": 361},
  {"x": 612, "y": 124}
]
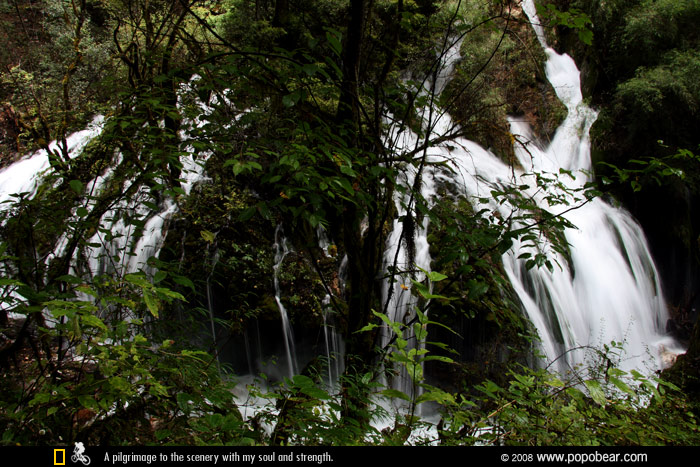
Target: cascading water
[
  {"x": 123, "y": 241},
  {"x": 333, "y": 343},
  {"x": 610, "y": 290},
  {"x": 213, "y": 259},
  {"x": 407, "y": 253},
  {"x": 331, "y": 337},
  {"x": 281, "y": 250},
  {"x": 24, "y": 175},
  {"x": 118, "y": 245},
  {"x": 405, "y": 259},
  {"x": 607, "y": 289}
]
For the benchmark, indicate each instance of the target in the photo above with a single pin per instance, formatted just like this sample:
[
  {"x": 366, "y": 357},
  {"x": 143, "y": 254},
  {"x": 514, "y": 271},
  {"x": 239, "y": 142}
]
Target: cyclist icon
[{"x": 78, "y": 455}]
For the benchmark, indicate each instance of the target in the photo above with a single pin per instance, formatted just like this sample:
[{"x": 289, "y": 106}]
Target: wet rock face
[
  {"x": 10, "y": 130},
  {"x": 684, "y": 369},
  {"x": 238, "y": 279},
  {"x": 511, "y": 82}
]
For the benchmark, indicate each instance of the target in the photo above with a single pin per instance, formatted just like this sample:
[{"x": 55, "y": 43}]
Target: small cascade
[
  {"x": 333, "y": 342},
  {"x": 407, "y": 253},
  {"x": 125, "y": 248},
  {"x": 130, "y": 232},
  {"x": 120, "y": 239},
  {"x": 405, "y": 259},
  {"x": 281, "y": 250},
  {"x": 214, "y": 259},
  {"x": 24, "y": 175}
]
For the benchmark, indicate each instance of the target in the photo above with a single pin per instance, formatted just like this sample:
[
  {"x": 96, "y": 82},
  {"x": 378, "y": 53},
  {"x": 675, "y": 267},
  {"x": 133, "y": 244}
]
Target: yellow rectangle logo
[{"x": 59, "y": 457}]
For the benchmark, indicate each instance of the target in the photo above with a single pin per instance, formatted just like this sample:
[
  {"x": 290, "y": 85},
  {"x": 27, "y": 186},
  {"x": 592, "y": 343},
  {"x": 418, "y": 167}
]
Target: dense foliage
[{"x": 286, "y": 106}]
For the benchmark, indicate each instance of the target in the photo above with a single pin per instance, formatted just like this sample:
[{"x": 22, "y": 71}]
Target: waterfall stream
[
  {"x": 607, "y": 289},
  {"x": 281, "y": 248},
  {"x": 24, "y": 175}
]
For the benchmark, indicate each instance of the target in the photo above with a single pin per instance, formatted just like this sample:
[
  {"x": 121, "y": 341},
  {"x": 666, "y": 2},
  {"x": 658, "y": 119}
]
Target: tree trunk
[{"x": 348, "y": 104}]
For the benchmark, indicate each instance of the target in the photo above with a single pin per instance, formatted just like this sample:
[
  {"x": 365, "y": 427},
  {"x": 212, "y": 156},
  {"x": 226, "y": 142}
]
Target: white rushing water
[
  {"x": 118, "y": 245},
  {"x": 407, "y": 252},
  {"x": 607, "y": 289},
  {"x": 281, "y": 248},
  {"x": 125, "y": 248},
  {"x": 610, "y": 291},
  {"x": 24, "y": 175}
]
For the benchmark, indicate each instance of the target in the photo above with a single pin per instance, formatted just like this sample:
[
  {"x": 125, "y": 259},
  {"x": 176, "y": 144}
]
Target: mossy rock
[
  {"x": 501, "y": 73},
  {"x": 487, "y": 326}
]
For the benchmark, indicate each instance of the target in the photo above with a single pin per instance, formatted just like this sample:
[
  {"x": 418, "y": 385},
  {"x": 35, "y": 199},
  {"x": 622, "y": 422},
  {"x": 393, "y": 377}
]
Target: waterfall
[
  {"x": 121, "y": 239},
  {"x": 333, "y": 344},
  {"x": 130, "y": 232},
  {"x": 610, "y": 291},
  {"x": 24, "y": 175},
  {"x": 213, "y": 259},
  {"x": 403, "y": 265},
  {"x": 607, "y": 288}
]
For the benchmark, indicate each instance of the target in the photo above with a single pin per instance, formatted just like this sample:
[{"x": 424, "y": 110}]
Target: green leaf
[
  {"x": 435, "y": 276},
  {"x": 40, "y": 398},
  {"x": 345, "y": 184},
  {"x": 169, "y": 294},
  {"x": 94, "y": 321},
  {"x": 424, "y": 291},
  {"x": 162, "y": 434},
  {"x": 77, "y": 186},
  {"x": 184, "y": 281},
  {"x": 87, "y": 401},
  {"x": 334, "y": 37},
  {"x": 246, "y": 214},
  {"x": 316, "y": 393},
  {"x": 151, "y": 302},
  {"x": 310, "y": 69},
  {"x": 595, "y": 391},
  {"x": 619, "y": 384},
  {"x": 120, "y": 384},
  {"x": 366, "y": 328},
  {"x": 139, "y": 280},
  {"x": 395, "y": 394},
  {"x": 207, "y": 236},
  {"x": 183, "y": 402},
  {"x": 290, "y": 99},
  {"x": 159, "y": 276}
]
